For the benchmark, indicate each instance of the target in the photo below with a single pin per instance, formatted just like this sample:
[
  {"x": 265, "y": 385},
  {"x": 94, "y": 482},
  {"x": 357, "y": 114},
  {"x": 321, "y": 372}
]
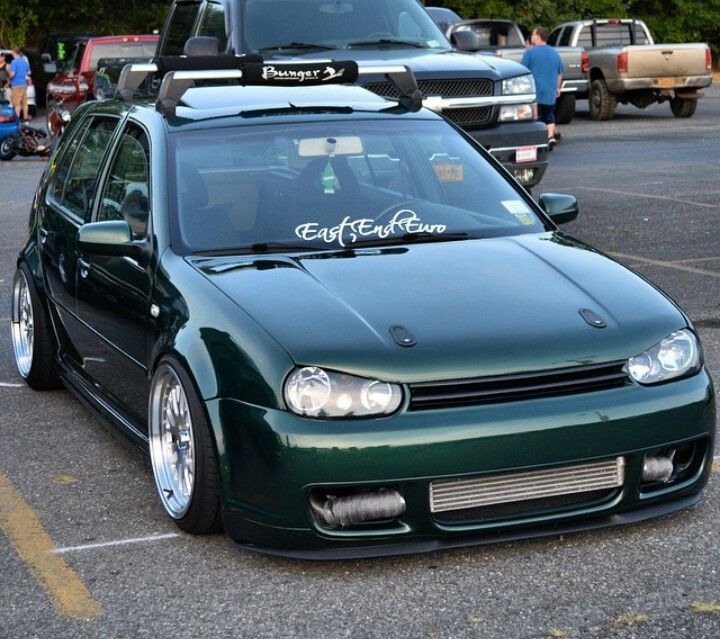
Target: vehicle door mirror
[
  {"x": 113, "y": 238},
  {"x": 202, "y": 46},
  {"x": 45, "y": 57},
  {"x": 465, "y": 40},
  {"x": 559, "y": 207},
  {"x": 49, "y": 67}
]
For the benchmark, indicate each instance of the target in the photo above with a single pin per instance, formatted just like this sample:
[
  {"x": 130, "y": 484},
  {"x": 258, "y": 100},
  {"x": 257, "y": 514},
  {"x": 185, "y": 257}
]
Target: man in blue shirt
[
  {"x": 19, "y": 70},
  {"x": 547, "y": 69}
]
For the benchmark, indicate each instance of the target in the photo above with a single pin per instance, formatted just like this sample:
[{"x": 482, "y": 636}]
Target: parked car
[
  {"x": 8, "y": 120},
  {"x": 74, "y": 82},
  {"x": 503, "y": 38},
  {"x": 493, "y": 102},
  {"x": 340, "y": 328},
  {"x": 45, "y": 60},
  {"x": 626, "y": 66},
  {"x": 31, "y": 94}
]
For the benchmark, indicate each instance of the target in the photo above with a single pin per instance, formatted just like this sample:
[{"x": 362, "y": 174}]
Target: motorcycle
[
  {"x": 29, "y": 141},
  {"x": 57, "y": 118}
]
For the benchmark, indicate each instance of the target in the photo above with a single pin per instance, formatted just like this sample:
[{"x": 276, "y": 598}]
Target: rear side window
[
  {"x": 213, "y": 24},
  {"x": 62, "y": 169},
  {"x": 127, "y": 189},
  {"x": 80, "y": 183},
  {"x": 565, "y": 37},
  {"x": 180, "y": 29},
  {"x": 553, "y": 38}
]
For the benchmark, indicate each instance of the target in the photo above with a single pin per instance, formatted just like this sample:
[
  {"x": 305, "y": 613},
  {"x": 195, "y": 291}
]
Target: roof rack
[{"x": 180, "y": 73}]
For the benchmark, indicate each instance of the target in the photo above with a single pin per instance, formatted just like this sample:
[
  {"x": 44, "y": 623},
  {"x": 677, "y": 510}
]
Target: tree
[{"x": 16, "y": 20}]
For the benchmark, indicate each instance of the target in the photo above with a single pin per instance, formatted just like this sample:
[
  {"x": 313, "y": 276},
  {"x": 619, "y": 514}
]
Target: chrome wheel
[
  {"x": 172, "y": 442},
  {"x": 23, "y": 325}
]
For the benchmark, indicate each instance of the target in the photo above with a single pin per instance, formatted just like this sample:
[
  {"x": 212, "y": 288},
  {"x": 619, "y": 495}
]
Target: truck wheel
[
  {"x": 602, "y": 102},
  {"x": 565, "y": 109},
  {"x": 683, "y": 108}
]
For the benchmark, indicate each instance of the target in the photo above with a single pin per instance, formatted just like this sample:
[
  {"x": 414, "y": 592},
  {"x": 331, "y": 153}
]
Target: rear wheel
[
  {"x": 183, "y": 455},
  {"x": 565, "y": 108},
  {"x": 8, "y": 148},
  {"x": 31, "y": 337},
  {"x": 683, "y": 108},
  {"x": 602, "y": 103}
]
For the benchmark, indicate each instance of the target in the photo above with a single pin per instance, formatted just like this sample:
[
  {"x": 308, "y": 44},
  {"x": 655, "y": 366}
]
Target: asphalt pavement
[{"x": 84, "y": 506}]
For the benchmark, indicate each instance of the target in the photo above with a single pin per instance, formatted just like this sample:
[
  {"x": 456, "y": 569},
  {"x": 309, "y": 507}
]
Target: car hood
[
  {"x": 475, "y": 308},
  {"x": 425, "y": 63}
]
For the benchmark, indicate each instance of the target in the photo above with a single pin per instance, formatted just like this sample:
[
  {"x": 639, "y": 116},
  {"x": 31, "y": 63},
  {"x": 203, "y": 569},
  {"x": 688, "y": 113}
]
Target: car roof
[{"x": 123, "y": 38}]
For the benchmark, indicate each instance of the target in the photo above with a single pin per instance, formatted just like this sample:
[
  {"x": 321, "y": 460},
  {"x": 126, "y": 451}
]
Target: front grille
[
  {"x": 481, "y": 492},
  {"x": 509, "y": 388},
  {"x": 470, "y": 88}
]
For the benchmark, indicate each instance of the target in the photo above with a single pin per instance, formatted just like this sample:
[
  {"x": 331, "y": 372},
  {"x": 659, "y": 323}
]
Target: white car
[{"x": 32, "y": 102}]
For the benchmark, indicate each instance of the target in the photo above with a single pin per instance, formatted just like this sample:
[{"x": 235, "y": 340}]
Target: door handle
[
  {"x": 43, "y": 235},
  {"x": 83, "y": 268}
]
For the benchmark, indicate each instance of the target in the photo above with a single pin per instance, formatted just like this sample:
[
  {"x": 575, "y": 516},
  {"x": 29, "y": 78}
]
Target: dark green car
[{"x": 340, "y": 328}]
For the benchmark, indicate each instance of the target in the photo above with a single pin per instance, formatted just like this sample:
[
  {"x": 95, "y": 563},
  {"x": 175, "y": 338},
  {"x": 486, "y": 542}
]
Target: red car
[{"x": 73, "y": 84}]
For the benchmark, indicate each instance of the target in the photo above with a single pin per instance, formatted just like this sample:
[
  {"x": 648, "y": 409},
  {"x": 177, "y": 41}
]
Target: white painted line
[
  {"x": 648, "y": 195},
  {"x": 4, "y": 385},
  {"x": 673, "y": 265},
  {"x": 119, "y": 542}
]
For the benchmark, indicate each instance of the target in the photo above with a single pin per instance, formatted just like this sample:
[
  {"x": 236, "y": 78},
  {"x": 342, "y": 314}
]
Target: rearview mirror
[
  {"x": 559, "y": 207},
  {"x": 465, "y": 40},
  {"x": 112, "y": 238}
]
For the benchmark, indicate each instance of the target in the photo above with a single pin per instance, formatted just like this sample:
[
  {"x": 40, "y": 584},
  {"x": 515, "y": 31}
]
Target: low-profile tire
[
  {"x": 182, "y": 451},
  {"x": 33, "y": 343},
  {"x": 8, "y": 148},
  {"x": 602, "y": 103},
  {"x": 565, "y": 108},
  {"x": 683, "y": 108}
]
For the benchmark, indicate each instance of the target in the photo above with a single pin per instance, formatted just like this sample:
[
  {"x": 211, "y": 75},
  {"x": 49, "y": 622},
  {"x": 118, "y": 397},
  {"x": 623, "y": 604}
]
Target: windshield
[
  {"x": 332, "y": 185},
  {"x": 338, "y": 24},
  {"x": 145, "y": 50}
]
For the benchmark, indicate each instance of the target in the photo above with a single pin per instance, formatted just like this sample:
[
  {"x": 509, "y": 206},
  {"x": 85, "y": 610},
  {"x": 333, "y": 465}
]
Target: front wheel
[
  {"x": 683, "y": 108},
  {"x": 565, "y": 108},
  {"x": 182, "y": 452},
  {"x": 8, "y": 148},
  {"x": 602, "y": 103}
]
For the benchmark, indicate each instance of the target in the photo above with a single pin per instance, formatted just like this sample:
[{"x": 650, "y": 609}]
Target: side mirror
[
  {"x": 202, "y": 46},
  {"x": 465, "y": 40},
  {"x": 45, "y": 57},
  {"x": 112, "y": 238},
  {"x": 49, "y": 67},
  {"x": 559, "y": 207}
]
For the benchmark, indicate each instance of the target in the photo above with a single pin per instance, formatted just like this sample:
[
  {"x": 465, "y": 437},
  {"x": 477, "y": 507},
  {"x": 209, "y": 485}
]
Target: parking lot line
[
  {"x": 119, "y": 542},
  {"x": 674, "y": 265},
  {"x": 28, "y": 537},
  {"x": 648, "y": 195},
  {"x": 6, "y": 385}
]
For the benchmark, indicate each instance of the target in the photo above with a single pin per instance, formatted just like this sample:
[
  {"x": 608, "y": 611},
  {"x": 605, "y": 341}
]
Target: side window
[
  {"x": 79, "y": 190},
  {"x": 180, "y": 29},
  {"x": 213, "y": 24},
  {"x": 66, "y": 157},
  {"x": 565, "y": 37},
  {"x": 553, "y": 38},
  {"x": 127, "y": 189}
]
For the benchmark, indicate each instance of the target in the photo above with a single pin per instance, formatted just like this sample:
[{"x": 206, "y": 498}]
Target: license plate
[
  {"x": 525, "y": 154},
  {"x": 666, "y": 83}
]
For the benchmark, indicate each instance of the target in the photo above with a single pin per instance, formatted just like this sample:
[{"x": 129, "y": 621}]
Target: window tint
[
  {"x": 565, "y": 37},
  {"x": 612, "y": 34},
  {"x": 82, "y": 178},
  {"x": 127, "y": 189},
  {"x": 213, "y": 24},
  {"x": 181, "y": 25},
  {"x": 553, "y": 38},
  {"x": 62, "y": 168}
]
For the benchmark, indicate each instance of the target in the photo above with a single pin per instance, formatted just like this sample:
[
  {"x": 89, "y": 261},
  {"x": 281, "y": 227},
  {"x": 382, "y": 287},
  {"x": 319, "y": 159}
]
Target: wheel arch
[{"x": 596, "y": 74}]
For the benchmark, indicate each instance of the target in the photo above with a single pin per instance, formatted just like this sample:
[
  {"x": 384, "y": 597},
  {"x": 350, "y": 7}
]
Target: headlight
[
  {"x": 675, "y": 356},
  {"x": 515, "y": 113},
  {"x": 521, "y": 84},
  {"x": 314, "y": 392}
]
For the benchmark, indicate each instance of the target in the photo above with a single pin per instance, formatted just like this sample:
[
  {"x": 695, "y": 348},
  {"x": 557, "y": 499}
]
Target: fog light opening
[
  {"x": 659, "y": 468},
  {"x": 342, "y": 511},
  {"x": 524, "y": 176}
]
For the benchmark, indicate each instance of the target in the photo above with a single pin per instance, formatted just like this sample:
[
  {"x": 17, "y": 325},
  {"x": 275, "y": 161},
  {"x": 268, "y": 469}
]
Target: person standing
[
  {"x": 547, "y": 69},
  {"x": 19, "y": 70},
  {"x": 4, "y": 79}
]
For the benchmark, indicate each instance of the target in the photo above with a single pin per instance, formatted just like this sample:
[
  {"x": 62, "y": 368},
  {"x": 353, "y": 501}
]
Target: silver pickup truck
[
  {"x": 626, "y": 66},
  {"x": 504, "y": 39}
]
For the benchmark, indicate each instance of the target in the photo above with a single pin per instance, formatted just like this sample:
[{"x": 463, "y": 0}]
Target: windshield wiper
[
  {"x": 261, "y": 247},
  {"x": 387, "y": 42},
  {"x": 298, "y": 45},
  {"x": 410, "y": 238}
]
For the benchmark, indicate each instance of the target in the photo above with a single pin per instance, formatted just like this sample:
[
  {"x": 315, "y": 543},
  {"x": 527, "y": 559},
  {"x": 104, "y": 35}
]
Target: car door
[
  {"x": 113, "y": 292},
  {"x": 67, "y": 205}
]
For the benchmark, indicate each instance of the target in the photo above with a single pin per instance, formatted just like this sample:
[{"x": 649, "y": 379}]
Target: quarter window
[
  {"x": 213, "y": 24},
  {"x": 127, "y": 189},
  {"x": 62, "y": 169},
  {"x": 180, "y": 29},
  {"x": 79, "y": 189}
]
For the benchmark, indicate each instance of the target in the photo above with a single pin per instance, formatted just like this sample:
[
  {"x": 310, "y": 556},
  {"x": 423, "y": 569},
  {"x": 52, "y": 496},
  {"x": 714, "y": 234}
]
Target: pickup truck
[
  {"x": 491, "y": 99},
  {"x": 504, "y": 39},
  {"x": 626, "y": 66},
  {"x": 73, "y": 83}
]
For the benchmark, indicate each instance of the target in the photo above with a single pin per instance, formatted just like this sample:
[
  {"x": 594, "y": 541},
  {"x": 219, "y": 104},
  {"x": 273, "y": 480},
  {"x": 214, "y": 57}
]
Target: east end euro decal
[{"x": 349, "y": 231}]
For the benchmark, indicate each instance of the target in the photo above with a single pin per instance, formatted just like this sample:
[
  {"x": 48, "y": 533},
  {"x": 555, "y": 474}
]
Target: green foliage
[{"x": 16, "y": 21}]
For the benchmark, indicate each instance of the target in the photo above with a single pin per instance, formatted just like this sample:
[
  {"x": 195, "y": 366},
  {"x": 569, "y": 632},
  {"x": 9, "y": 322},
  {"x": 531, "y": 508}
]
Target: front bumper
[
  {"x": 504, "y": 141},
  {"x": 271, "y": 460}
]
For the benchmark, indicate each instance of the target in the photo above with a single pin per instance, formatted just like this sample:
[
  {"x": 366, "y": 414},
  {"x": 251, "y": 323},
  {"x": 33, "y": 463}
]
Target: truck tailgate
[{"x": 665, "y": 60}]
